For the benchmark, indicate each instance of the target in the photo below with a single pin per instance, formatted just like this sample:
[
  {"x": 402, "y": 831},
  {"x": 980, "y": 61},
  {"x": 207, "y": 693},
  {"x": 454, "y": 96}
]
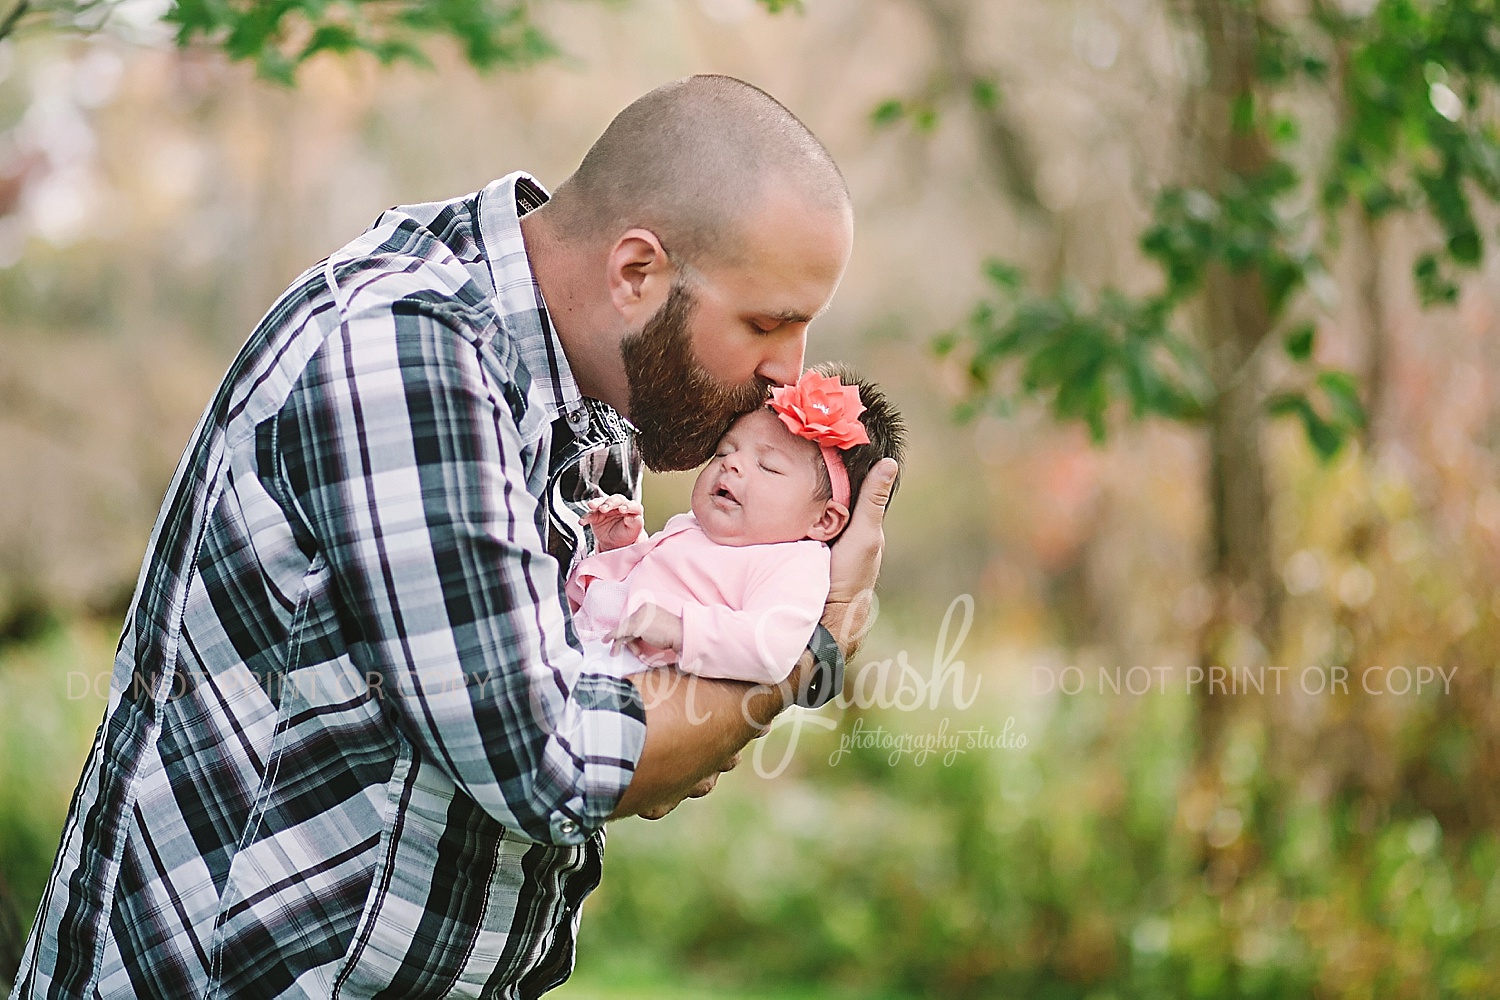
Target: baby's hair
[{"x": 883, "y": 424}]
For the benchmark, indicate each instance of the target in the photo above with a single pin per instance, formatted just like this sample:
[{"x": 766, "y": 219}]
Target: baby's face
[{"x": 762, "y": 486}]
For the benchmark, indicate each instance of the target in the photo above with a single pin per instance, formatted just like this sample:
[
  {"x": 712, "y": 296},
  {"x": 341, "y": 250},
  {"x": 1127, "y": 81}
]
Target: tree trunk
[
  {"x": 1377, "y": 340},
  {"x": 1369, "y": 256},
  {"x": 1236, "y": 322}
]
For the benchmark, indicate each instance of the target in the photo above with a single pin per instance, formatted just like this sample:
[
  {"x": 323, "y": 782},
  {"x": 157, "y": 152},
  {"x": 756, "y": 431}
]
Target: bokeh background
[{"x": 1327, "y": 843}]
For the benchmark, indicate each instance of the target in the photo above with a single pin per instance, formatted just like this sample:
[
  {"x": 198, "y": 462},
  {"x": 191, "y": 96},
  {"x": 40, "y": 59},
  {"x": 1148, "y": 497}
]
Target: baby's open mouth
[{"x": 723, "y": 492}]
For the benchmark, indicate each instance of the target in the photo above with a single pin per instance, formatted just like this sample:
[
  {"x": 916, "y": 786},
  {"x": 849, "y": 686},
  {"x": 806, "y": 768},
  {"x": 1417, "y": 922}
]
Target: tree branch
[{"x": 1009, "y": 154}]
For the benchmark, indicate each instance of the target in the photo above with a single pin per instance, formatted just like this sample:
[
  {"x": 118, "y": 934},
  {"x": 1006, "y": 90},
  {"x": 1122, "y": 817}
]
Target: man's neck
[{"x": 571, "y": 283}]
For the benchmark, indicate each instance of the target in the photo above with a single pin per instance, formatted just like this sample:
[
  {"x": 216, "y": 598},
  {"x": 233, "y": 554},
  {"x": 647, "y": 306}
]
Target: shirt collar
[{"x": 517, "y": 295}]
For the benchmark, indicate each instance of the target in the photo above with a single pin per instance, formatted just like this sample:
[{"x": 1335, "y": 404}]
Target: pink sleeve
[
  {"x": 762, "y": 642},
  {"x": 614, "y": 565}
]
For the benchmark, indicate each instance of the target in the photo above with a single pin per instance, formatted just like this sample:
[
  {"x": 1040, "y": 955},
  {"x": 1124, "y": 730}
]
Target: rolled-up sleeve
[{"x": 401, "y": 452}]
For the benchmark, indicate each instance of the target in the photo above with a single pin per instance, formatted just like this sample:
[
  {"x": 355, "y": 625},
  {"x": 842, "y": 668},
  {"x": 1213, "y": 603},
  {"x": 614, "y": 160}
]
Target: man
[{"x": 349, "y": 748}]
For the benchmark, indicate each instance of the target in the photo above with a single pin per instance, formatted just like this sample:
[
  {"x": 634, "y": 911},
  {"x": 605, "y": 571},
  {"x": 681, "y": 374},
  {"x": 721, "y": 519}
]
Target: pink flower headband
[{"x": 826, "y": 412}]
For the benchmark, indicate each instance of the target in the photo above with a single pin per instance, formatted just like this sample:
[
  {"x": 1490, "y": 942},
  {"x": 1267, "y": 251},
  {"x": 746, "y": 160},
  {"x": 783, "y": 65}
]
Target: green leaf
[
  {"x": 1242, "y": 112},
  {"x": 330, "y": 38},
  {"x": 1380, "y": 198},
  {"x": 397, "y": 50},
  {"x": 1285, "y": 130},
  {"x": 985, "y": 93},
  {"x": 1433, "y": 284},
  {"x": 1299, "y": 341},
  {"x": 887, "y": 113},
  {"x": 192, "y": 17},
  {"x": 1343, "y": 398},
  {"x": 1466, "y": 247},
  {"x": 1325, "y": 438},
  {"x": 1284, "y": 404},
  {"x": 1007, "y": 276},
  {"x": 271, "y": 65}
]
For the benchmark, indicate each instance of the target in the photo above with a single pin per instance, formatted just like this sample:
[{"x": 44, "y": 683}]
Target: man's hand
[
  {"x": 647, "y": 631},
  {"x": 617, "y": 521},
  {"x": 695, "y": 729},
  {"x": 856, "y": 560}
]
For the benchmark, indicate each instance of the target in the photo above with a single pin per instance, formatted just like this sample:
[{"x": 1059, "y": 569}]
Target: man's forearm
[{"x": 693, "y": 727}]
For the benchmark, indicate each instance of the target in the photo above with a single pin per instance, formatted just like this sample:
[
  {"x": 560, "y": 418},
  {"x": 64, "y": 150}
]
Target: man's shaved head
[
  {"x": 684, "y": 260},
  {"x": 689, "y": 161}
]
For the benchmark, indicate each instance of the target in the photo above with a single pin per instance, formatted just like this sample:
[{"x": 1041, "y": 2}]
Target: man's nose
[{"x": 782, "y": 364}]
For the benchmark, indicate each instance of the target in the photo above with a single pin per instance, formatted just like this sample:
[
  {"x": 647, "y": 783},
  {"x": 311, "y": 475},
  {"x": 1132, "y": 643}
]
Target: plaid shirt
[{"x": 349, "y": 749}]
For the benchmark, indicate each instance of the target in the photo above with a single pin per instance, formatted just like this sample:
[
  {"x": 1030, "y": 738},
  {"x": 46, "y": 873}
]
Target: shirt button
[{"x": 567, "y": 828}]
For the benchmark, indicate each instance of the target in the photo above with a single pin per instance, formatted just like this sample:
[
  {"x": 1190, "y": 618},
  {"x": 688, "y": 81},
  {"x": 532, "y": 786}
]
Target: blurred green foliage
[
  {"x": 1082, "y": 356},
  {"x": 1414, "y": 100},
  {"x": 1345, "y": 846},
  {"x": 278, "y": 36},
  {"x": 1070, "y": 868},
  {"x": 1060, "y": 872},
  {"x": 50, "y": 707},
  {"x": 1416, "y": 134}
]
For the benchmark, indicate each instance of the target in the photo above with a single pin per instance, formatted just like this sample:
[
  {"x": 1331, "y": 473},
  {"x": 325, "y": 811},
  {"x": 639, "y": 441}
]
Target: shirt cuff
[{"x": 612, "y": 727}]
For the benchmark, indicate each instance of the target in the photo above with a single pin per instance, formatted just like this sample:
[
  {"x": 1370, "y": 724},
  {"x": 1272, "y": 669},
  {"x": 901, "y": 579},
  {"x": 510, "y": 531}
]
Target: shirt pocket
[
  {"x": 302, "y": 876},
  {"x": 301, "y": 873},
  {"x": 462, "y": 905}
]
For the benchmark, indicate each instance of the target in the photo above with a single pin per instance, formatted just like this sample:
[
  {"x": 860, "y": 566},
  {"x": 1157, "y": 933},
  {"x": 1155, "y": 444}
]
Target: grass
[
  {"x": 660, "y": 985},
  {"x": 50, "y": 707}
]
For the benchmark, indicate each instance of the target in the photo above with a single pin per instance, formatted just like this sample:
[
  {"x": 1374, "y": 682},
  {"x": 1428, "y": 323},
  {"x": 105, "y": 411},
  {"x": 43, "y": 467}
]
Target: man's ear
[
  {"x": 639, "y": 276},
  {"x": 835, "y": 515}
]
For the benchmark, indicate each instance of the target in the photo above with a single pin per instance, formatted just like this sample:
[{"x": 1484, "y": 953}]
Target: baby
[{"x": 735, "y": 588}]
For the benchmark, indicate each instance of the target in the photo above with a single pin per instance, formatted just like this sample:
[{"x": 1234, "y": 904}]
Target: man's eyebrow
[{"x": 790, "y": 315}]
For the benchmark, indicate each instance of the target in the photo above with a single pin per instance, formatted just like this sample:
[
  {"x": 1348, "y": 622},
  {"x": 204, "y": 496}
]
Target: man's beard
[{"x": 678, "y": 408}]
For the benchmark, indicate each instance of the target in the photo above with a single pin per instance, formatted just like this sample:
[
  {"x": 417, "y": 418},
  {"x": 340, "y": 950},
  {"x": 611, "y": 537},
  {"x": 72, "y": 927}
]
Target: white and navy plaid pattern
[{"x": 349, "y": 749}]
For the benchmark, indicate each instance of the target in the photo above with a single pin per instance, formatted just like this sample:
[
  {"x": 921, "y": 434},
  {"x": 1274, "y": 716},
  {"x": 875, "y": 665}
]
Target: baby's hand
[
  {"x": 646, "y": 631},
  {"x": 617, "y": 521}
]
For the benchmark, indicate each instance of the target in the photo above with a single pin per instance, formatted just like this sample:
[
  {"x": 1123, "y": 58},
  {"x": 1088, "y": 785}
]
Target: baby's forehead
[{"x": 764, "y": 427}]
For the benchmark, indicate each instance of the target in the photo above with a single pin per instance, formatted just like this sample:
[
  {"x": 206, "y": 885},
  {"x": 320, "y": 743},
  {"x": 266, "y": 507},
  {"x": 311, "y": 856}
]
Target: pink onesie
[{"x": 747, "y": 610}]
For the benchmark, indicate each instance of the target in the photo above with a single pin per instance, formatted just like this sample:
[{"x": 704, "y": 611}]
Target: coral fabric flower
[{"x": 821, "y": 409}]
